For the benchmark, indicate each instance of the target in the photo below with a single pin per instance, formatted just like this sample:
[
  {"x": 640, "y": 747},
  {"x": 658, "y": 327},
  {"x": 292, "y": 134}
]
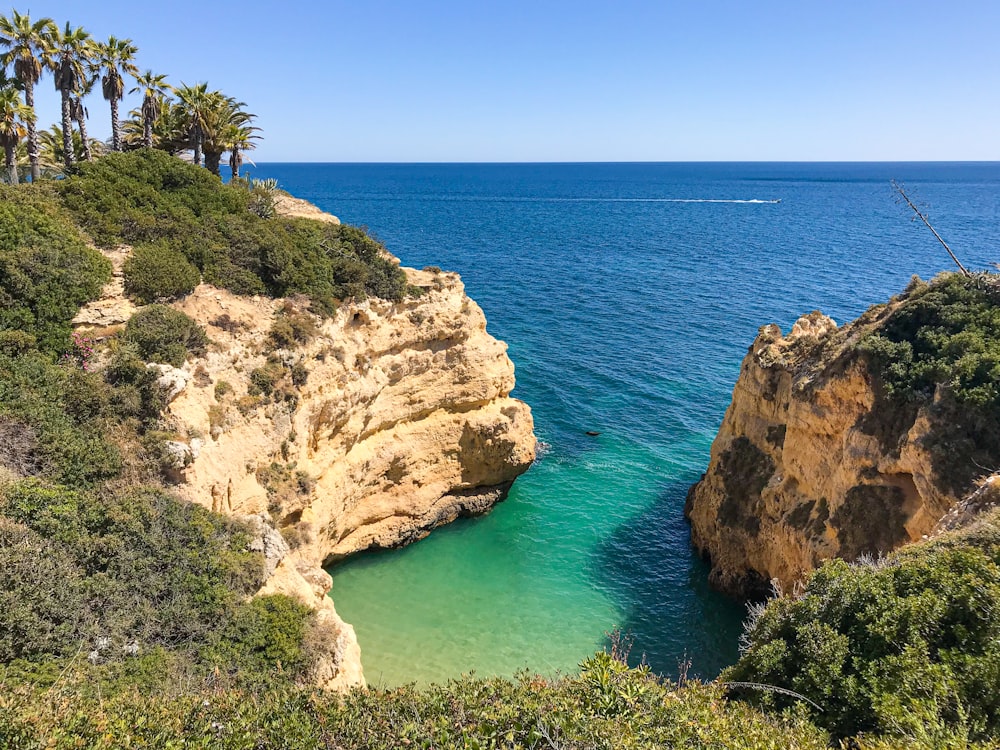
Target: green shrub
[
  {"x": 46, "y": 269},
  {"x": 157, "y": 272},
  {"x": 148, "y": 196},
  {"x": 909, "y": 646},
  {"x": 263, "y": 636},
  {"x": 263, "y": 380},
  {"x": 65, "y": 410},
  {"x": 14, "y": 342},
  {"x": 162, "y": 334},
  {"x": 944, "y": 338},
  {"x": 41, "y": 594},
  {"x": 143, "y": 196},
  {"x": 529, "y": 712},
  {"x": 138, "y": 567}
]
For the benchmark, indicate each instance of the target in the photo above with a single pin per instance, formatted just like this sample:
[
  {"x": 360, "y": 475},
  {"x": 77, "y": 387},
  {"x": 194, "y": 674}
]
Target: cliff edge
[
  {"x": 335, "y": 434},
  {"x": 846, "y": 441}
]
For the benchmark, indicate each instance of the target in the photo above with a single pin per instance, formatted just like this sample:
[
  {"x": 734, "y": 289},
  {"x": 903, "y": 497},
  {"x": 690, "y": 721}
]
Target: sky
[{"x": 552, "y": 80}]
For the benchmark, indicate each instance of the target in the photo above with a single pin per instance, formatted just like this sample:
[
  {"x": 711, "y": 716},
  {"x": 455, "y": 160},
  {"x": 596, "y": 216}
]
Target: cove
[{"x": 628, "y": 294}]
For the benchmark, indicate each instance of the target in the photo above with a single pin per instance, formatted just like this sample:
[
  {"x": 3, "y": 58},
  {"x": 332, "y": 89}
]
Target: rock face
[
  {"x": 112, "y": 309},
  {"x": 801, "y": 469},
  {"x": 392, "y": 419},
  {"x": 379, "y": 424}
]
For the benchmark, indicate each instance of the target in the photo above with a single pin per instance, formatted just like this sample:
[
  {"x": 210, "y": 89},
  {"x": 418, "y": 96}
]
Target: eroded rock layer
[
  {"x": 394, "y": 418},
  {"x": 809, "y": 464},
  {"x": 369, "y": 429}
]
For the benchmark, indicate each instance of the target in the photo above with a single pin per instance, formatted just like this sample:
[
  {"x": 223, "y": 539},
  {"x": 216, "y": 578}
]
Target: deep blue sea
[{"x": 628, "y": 294}]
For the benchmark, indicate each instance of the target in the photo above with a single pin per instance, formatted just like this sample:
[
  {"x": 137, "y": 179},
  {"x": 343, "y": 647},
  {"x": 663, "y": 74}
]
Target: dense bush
[
  {"x": 139, "y": 568},
  {"x": 149, "y": 196},
  {"x": 945, "y": 338},
  {"x": 162, "y": 334},
  {"x": 908, "y": 646},
  {"x": 157, "y": 272},
  {"x": 62, "y": 412},
  {"x": 143, "y": 196},
  {"x": 530, "y": 712},
  {"x": 263, "y": 635},
  {"x": 46, "y": 270}
]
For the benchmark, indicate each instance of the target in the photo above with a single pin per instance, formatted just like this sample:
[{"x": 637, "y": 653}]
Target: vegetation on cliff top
[
  {"x": 106, "y": 575},
  {"x": 940, "y": 348},
  {"x": 156, "y": 202}
]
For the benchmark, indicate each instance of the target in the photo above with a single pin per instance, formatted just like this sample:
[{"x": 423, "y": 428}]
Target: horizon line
[{"x": 702, "y": 161}]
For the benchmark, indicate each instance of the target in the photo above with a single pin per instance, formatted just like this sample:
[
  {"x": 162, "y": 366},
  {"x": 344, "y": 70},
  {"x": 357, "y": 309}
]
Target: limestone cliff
[
  {"x": 384, "y": 421},
  {"x": 802, "y": 468}
]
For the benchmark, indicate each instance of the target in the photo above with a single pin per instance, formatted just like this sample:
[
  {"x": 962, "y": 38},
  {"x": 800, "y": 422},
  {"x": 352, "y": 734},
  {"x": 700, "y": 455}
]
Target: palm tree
[
  {"x": 80, "y": 114},
  {"x": 168, "y": 132},
  {"x": 240, "y": 138},
  {"x": 222, "y": 118},
  {"x": 114, "y": 60},
  {"x": 154, "y": 88},
  {"x": 196, "y": 102},
  {"x": 14, "y": 116},
  {"x": 52, "y": 154},
  {"x": 72, "y": 54},
  {"x": 28, "y": 49}
]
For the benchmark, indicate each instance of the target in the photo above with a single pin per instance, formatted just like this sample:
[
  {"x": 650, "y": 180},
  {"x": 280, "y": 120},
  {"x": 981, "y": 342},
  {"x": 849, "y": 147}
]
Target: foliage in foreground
[
  {"x": 143, "y": 568},
  {"x": 607, "y": 706},
  {"x": 908, "y": 646}
]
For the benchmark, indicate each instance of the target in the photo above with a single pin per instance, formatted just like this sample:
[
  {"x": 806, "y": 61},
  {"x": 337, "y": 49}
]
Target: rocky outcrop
[
  {"x": 808, "y": 464},
  {"x": 392, "y": 419},
  {"x": 109, "y": 312},
  {"x": 369, "y": 430}
]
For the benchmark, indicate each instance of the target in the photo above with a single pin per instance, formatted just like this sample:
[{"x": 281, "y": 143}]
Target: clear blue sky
[{"x": 552, "y": 80}]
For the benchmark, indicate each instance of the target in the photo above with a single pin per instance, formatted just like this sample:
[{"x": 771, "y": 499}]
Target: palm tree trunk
[
  {"x": 81, "y": 120},
  {"x": 147, "y": 131},
  {"x": 29, "y": 99},
  {"x": 212, "y": 159},
  {"x": 67, "y": 128},
  {"x": 196, "y": 137},
  {"x": 116, "y": 128},
  {"x": 10, "y": 163},
  {"x": 235, "y": 162}
]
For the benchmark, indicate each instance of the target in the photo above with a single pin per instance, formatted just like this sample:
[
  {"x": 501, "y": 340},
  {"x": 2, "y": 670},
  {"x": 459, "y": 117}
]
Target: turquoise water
[{"x": 628, "y": 293}]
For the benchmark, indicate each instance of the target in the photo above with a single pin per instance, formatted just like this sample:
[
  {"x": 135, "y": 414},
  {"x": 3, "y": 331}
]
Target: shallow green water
[{"x": 536, "y": 584}]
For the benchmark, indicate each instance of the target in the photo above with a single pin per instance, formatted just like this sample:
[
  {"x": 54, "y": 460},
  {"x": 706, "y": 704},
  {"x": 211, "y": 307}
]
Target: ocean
[{"x": 628, "y": 294}]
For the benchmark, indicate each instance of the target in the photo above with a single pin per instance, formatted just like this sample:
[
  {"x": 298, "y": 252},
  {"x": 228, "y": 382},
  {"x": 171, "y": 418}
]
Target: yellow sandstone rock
[
  {"x": 800, "y": 470},
  {"x": 396, "y": 418}
]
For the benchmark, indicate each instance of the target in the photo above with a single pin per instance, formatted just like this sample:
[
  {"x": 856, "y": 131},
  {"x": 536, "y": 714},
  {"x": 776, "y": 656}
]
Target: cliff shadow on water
[{"x": 675, "y": 621}]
